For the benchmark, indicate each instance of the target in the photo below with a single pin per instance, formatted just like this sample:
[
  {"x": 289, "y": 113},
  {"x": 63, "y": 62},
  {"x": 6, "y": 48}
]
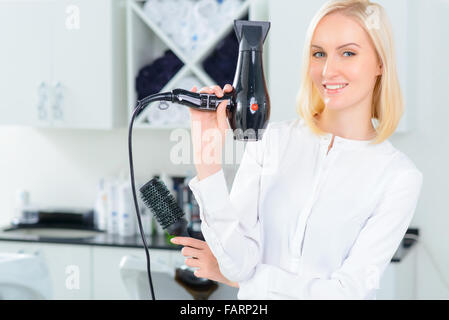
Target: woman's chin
[{"x": 333, "y": 104}]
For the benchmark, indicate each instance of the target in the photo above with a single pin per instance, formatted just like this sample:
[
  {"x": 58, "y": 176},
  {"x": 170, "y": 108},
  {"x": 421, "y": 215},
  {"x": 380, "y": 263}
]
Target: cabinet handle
[
  {"x": 42, "y": 93},
  {"x": 58, "y": 94}
]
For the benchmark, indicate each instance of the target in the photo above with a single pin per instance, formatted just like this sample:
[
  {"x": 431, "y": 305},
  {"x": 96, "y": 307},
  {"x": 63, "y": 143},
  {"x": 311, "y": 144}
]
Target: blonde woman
[{"x": 319, "y": 206}]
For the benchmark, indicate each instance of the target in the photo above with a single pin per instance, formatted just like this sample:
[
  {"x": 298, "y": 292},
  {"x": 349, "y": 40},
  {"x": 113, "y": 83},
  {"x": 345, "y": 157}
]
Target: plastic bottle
[
  {"x": 21, "y": 208},
  {"x": 147, "y": 220},
  {"x": 101, "y": 207},
  {"x": 126, "y": 210},
  {"x": 112, "y": 207}
]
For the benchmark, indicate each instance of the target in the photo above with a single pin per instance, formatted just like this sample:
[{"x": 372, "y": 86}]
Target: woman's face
[{"x": 342, "y": 54}]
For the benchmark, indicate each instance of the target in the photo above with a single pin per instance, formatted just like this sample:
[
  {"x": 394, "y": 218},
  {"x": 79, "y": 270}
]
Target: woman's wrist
[
  {"x": 232, "y": 284},
  {"x": 205, "y": 171},
  {"x": 208, "y": 160}
]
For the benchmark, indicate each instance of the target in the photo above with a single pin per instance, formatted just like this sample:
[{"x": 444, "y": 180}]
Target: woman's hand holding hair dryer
[{"x": 208, "y": 131}]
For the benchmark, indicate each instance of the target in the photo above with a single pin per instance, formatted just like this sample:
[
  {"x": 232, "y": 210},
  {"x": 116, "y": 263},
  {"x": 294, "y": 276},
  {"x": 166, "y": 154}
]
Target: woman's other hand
[{"x": 199, "y": 256}]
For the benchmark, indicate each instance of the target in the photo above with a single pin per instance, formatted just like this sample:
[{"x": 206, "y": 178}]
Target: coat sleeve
[
  {"x": 229, "y": 221},
  {"x": 359, "y": 275}
]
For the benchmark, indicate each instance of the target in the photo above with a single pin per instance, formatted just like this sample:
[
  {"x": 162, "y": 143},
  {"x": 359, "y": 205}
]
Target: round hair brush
[{"x": 165, "y": 209}]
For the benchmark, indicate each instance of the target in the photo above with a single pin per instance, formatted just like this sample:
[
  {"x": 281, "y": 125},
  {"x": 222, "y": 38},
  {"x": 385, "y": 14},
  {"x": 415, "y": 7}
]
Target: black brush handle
[{"x": 178, "y": 229}]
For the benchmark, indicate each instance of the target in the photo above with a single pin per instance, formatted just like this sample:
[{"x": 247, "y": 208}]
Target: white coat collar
[{"x": 340, "y": 142}]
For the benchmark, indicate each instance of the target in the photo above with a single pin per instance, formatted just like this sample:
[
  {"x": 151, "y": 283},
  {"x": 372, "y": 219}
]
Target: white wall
[{"x": 428, "y": 144}]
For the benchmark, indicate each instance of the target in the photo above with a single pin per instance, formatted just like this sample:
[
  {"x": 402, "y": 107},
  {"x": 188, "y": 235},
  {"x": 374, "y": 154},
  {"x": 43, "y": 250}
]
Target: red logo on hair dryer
[{"x": 253, "y": 106}]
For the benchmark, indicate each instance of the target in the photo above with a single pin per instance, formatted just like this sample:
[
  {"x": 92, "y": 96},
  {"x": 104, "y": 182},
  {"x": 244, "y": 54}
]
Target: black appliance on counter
[{"x": 70, "y": 218}]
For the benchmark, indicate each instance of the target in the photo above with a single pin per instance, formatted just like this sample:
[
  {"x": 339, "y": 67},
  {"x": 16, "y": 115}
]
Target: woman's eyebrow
[{"x": 344, "y": 45}]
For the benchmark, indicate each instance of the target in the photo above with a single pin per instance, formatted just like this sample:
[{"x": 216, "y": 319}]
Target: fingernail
[{"x": 173, "y": 240}]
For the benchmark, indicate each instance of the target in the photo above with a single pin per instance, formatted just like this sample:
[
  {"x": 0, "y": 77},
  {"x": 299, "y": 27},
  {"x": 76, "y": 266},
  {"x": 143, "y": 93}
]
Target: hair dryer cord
[{"x": 142, "y": 104}]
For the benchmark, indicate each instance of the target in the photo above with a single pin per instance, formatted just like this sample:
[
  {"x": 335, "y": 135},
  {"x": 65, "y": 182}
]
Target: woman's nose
[{"x": 330, "y": 68}]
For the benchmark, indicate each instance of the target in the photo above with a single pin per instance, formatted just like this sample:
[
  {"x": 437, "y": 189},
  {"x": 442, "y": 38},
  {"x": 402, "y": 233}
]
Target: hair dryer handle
[{"x": 202, "y": 101}]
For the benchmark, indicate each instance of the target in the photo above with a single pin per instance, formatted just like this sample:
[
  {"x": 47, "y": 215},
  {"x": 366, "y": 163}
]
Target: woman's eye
[
  {"x": 351, "y": 53},
  {"x": 317, "y": 54}
]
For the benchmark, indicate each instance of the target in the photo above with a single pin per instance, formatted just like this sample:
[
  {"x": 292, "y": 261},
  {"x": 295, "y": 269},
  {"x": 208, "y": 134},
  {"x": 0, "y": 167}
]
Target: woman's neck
[{"x": 346, "y": 125}]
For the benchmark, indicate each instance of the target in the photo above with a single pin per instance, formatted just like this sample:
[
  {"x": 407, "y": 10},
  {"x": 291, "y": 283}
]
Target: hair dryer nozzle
[
  {"x": 251, "y": 34},
  {"x": 251, "y": 113}
]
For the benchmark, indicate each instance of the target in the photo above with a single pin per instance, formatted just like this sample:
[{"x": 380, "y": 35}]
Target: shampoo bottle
[
  {"x": 126, "y": 210},
  {"x": 112, "y": 207},
  {"x": 101, "y": 207}
]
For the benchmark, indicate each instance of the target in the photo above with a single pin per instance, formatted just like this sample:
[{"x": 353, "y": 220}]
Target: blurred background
[{"x": 71, "y": 73}]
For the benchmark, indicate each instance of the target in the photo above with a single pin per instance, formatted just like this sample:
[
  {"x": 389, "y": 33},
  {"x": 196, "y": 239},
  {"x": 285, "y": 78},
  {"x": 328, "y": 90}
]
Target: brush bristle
[{"x": 158, "y": 198}]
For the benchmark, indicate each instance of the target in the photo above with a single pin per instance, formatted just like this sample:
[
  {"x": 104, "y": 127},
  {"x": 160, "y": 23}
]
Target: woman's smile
[{"x": 332, "y": 89}]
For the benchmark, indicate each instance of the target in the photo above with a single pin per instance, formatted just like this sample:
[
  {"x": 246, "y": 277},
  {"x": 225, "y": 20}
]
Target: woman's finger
[
  {"x": 191, "y": 252},
  {"x": 227, "y": 88},
  {"x": 217, "y": 91},
  {"x": 189, "y": 242},
  {"x": 206, "y": 90},
  {"x": 195, "y": 263},
  {"x": 222, "y": 118},
  {"x": 198, "y": 273}
]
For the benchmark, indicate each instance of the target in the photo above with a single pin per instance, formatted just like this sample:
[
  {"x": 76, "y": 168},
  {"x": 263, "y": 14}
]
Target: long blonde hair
[{"x": 388, "y": 103}]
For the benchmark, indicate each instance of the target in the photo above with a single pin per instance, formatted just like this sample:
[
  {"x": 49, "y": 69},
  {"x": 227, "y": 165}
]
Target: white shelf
[{"x": 146, "y": 42}]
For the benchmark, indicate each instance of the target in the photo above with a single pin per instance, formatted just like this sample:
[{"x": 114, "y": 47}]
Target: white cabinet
[
  {"x": 107, "y": 282},
  {"x": 69, "y": 266},
  {"x": 90, "y": 272},
  {"x": 63, "y": 63},
  {"x": 25, "y": 60}
]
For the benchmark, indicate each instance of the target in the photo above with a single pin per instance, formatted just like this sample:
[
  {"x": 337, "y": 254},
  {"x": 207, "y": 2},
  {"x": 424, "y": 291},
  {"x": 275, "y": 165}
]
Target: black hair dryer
[{"x": 248, "y": 109}]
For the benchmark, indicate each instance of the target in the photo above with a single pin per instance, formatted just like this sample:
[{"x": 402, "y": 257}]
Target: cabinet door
[
  {"x": 69, "y": 266},
  {"x": 82, "y": 64},
  {"x": 19, "y": 247},
  {"x": 25, "y": 58},
  {"x": 107, "y": 281},
  {"x": 70, "y": 269}
]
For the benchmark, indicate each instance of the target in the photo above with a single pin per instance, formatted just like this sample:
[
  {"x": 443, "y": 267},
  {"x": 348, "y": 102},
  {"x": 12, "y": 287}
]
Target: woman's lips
[{"x": 334, "y": 91}]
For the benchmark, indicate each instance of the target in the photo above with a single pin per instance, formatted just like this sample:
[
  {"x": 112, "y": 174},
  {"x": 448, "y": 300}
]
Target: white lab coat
[{"x": 303, "y": 224}]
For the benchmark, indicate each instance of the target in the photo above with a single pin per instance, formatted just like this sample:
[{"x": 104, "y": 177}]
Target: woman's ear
[{"x": 380, "y": 68}]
